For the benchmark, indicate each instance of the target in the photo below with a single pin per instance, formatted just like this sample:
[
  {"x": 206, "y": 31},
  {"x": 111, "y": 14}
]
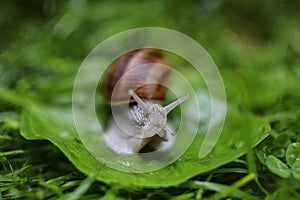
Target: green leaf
[
  {"x": 296, "y": 169},
  {"x": 277, "y": 167},
  {"x": 293, "y": 153},
  {"x": 56, "y": 125}
]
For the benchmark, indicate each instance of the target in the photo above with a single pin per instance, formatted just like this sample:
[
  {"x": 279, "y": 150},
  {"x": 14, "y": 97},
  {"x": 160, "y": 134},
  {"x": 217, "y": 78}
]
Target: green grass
[{"x": 254, "y": 44}]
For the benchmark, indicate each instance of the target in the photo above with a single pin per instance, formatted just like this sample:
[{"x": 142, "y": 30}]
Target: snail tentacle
[
  {"x": 174, "y": 104},
  {"x": 139, "y": 101}
]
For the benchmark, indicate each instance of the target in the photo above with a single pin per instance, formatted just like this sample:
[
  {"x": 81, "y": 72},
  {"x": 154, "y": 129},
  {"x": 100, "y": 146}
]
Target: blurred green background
[
  {"x": 255, "y": 44},
  {"x": 42, "y": 40}
]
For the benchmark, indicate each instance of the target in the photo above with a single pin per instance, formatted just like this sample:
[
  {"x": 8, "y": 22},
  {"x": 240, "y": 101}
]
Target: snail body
[{"x": 138, "y": 78}]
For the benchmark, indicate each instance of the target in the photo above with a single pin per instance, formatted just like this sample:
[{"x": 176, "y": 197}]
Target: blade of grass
[
  {"x": 52, "y": 187},
  {"x": 230, "y": 190},
  {"x": 13, "y": 97},
  {"x": 251, "y": 161},
  {"x": 9, "y": 153},
  {"x": 81, "y": 189},
  {"x": 221, "y": 189},
  {"x": 232, "y": 170}
]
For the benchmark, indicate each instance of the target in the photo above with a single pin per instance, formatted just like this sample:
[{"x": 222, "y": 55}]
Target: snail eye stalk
[{"x": 140, "y": 102}]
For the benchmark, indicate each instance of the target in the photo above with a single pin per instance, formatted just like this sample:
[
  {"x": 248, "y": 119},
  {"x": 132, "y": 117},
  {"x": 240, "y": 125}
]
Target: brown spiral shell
[{"x": 137, "y": 75}]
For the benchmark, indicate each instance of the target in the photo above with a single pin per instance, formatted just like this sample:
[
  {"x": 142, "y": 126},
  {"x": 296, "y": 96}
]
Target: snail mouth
[{"x": 152, "y": 131}]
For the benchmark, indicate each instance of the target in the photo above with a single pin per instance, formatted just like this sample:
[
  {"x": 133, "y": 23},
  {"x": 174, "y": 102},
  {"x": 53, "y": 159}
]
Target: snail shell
[
  {"x": 133, "y": 63},
  {"x": 146, "y": 119}
]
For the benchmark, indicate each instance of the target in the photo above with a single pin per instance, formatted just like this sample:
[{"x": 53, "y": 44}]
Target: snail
[{"x": 138, "y": 78}]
